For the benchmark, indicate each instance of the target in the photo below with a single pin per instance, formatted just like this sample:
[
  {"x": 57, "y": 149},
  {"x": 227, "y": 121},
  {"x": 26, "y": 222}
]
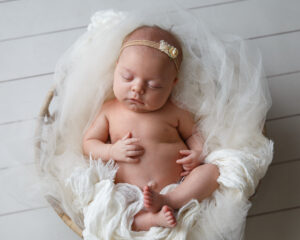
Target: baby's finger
[
  {"x": 134, "y": 147},
  {"x": 128, "y": 135},
  {"x": 185, "y": 152},
  {"x": 131, "y": 140},
  {"x": 185, "y": 173},
  {"x": 187, "y": 168},
  {"x": 135, "y": 153},
  {"x": 132, "y": 160},
  {"x": 185, "y": 160}
]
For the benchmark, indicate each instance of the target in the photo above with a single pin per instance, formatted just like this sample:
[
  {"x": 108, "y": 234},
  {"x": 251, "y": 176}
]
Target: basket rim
[{"x": 44, "y": 112}]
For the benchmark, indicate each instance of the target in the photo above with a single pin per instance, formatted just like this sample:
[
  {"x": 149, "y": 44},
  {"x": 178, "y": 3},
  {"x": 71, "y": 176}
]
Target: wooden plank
[
  {"x": 286, "y": 136},
  {"x": 44, "y": 224},
  {"x": 30, "y": 94},
  {"x": 255, "y": 18},
  {"x": 23, "y": 99},
  {"x": 254, "y": 229},
  {"x": 276, "y": 226},
  {"x": 17, "y": 142},
  {"x": 278, "y": 189},
  {"x": 28, "y": 57},
  {"x": 20, "y": 190},
  {"x": 32, "y": 91},
  {"x": 279, "y": 53},
  {"x": 34, "y": 56},
  {"x": 48, "y": 16},
  {"x": 284, "y": 132},
  {"x": 39, "y": 224},
  {"x": 285, "y": 95},
  {"x": 284, "y": 89}
]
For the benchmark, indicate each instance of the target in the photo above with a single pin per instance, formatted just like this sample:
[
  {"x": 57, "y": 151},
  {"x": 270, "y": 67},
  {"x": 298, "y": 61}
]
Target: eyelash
[
  {"x": 154, "y": 87},
  {"x": 129, "y": 79}
]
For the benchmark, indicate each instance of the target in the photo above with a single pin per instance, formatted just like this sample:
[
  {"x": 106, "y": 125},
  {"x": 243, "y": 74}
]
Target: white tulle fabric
[{"x": 220, "y": 81}]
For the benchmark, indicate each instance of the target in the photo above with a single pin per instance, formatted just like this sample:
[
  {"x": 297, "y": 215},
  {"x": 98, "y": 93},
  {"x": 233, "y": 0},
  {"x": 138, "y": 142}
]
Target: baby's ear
[{"x": 175, "y": 81}]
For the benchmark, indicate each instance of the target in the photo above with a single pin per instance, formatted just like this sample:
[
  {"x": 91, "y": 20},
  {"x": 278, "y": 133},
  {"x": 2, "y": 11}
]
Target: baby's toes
[
  {"x": 147, "y": 191},
  {"x": 166, "y": 209},
  {"x": 148, "y": 198},
  {"x": 169, "y": 215},
  {"x": 171, "y": 221},
  {"x": 147, "y": 202}
]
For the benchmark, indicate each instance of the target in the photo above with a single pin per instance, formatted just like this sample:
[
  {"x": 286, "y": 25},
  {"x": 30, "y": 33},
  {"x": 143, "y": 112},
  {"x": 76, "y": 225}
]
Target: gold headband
[{"x": 163, "y": 46}]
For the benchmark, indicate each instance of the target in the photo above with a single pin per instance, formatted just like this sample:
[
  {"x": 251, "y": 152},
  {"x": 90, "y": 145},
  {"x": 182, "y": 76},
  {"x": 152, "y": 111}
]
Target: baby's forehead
[
  {"x": 137, "y": 56},
  {"x": 151, "y": 33},
  {"x": 145, "y": 52}
]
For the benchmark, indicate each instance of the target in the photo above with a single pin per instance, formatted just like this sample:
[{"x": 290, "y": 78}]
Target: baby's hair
[{"x": 155, "y": 33}]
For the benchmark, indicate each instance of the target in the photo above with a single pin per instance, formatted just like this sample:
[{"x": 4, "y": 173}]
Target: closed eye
[
  {"x": 126, "y": 78},
  {"x": 155, "y": 87}
]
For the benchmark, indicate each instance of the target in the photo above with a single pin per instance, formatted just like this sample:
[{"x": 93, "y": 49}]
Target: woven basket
[{"x": 45, "y": 114}]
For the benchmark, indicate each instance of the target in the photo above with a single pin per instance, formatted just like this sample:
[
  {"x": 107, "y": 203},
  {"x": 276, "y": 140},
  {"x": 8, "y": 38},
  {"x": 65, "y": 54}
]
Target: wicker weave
[{"x": 44, "y": 113}]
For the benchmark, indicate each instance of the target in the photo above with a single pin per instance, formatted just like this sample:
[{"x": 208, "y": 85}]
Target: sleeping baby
[{"x": 153, "y": 141}]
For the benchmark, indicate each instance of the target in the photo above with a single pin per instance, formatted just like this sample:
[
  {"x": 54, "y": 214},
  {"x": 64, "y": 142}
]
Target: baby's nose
[{"x": 138, "y": 88}]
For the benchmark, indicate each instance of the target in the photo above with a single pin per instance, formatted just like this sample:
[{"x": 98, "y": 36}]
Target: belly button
[{"x": 152, "y": 184}]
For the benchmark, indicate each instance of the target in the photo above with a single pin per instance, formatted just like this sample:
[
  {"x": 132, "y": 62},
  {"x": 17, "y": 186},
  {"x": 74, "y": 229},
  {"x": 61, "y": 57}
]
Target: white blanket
[{"x": 109, "y": 208}]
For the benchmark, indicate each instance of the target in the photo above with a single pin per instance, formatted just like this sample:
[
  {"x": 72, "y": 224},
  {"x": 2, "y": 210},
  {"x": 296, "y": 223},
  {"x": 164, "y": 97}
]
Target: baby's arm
[
  {"x": 95, "y": 138},
  {"x": 193, "y": 139},
  {"x": 94, "y": 142}
]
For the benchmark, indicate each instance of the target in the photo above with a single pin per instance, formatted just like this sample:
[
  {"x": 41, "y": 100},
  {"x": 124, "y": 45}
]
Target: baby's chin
[{"x": 140, "y": 108}]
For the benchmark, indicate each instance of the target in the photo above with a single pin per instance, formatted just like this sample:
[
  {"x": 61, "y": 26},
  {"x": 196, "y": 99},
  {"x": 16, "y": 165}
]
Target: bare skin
[{"x": 151, "y": 139}]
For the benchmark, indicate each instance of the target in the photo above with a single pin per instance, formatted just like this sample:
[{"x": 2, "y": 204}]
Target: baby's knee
[
  {"x": 208, "y": 169},
  {"x": 213, "y": 168}
]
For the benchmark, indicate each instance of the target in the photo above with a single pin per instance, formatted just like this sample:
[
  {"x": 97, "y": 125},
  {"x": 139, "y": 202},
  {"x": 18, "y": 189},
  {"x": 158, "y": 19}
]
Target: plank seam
[
  {"x": 21, "y": 211},
  {"x": 283, "y": 74},
  {"x": 18, "y": 121},
  {"x": 273, "y": 34},
  {"x": 85, "y": 26},
  {"x": 273, "y": 212},
  {"x": 284, "y": 162},
  {"x": 8, "y": 1},
  {"x": 26, "y": 77},
  {"x": 42, "y": 34},
  {"x": 217, "y": 4},
  {"x": 249, "y": 216},
  {"x": 283, "y": 117}
]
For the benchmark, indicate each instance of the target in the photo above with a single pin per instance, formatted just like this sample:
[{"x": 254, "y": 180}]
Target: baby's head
[{"x": 145, "y": 73}]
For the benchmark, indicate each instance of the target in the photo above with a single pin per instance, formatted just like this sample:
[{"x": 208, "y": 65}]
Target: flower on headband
[{"x": 168, "y": 49}]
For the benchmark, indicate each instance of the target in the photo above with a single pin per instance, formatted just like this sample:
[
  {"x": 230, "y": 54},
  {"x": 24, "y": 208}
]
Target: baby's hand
[
  {"x": 191, "y": 160},
  {"x": 126, "y": 149}
]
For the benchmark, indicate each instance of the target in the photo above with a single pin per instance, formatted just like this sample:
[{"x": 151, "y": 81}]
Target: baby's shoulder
[
  {"x": 179, "y": 109},
  {"x": 182, "y": 114},
  {"x": 107, "y": 107},
  {"x": 109, "y": 104}
]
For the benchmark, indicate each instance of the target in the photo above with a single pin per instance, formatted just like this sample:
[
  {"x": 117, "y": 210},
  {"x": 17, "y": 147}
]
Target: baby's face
[{"x": 143, "y": 78}]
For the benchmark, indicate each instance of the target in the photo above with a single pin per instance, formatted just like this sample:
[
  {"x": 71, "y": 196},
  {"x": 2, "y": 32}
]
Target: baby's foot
[
  {"x": 153, "y": 201},
  {"x": 166, "y": 218}
]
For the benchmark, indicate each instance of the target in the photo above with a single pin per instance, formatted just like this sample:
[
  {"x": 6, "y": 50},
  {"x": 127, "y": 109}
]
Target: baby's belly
[{"x": 158, "y": 164}]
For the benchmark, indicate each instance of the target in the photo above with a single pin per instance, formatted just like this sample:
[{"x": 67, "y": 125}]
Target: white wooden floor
[{"x": 34, "y": 33}]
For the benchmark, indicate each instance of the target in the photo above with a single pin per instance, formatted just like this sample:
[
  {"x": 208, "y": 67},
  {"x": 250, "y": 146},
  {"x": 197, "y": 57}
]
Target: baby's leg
[
  {"x": 144, "y": 220},
  {"x": 199, "y": 184}
]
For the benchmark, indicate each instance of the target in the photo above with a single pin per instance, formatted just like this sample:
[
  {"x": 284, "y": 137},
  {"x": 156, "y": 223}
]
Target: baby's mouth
[{"x": 135, "y": 100}]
